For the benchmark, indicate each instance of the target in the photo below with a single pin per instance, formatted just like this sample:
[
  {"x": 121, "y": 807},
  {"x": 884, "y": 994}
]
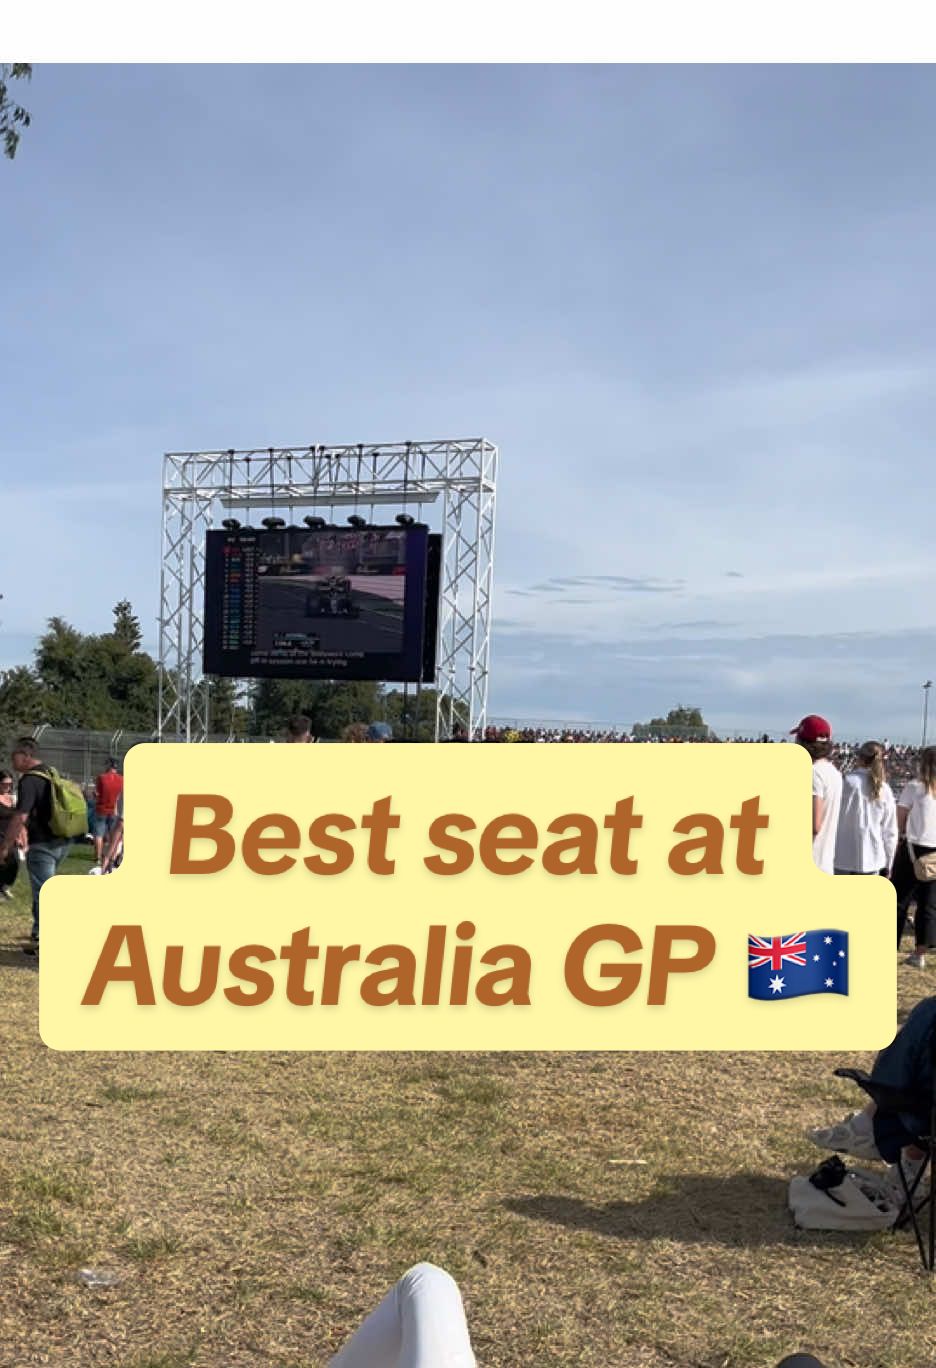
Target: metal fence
[{"x": 82, "y": 755}]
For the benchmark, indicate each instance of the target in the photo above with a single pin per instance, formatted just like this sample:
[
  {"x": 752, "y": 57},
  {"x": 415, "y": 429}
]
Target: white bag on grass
[{"x": 836, "y": 1198}]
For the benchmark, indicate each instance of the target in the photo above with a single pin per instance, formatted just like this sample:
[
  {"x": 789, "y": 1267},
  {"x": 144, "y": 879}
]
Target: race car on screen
[{"x": 332, "y": 598}]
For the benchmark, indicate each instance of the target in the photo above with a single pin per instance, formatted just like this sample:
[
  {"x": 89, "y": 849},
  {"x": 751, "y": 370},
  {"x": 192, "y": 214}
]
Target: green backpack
[{"x": 68, "y": 807}]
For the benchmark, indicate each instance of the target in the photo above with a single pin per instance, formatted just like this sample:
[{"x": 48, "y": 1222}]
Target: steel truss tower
[{"x": 200, "y": 488}]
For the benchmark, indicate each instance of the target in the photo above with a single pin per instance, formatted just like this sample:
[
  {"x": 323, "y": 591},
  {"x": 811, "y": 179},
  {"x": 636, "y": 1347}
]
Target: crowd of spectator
[
  {"x": 902, "y": 760},
  {"x": 564, "y": 734},
  {"x": 557, "y": 733}
]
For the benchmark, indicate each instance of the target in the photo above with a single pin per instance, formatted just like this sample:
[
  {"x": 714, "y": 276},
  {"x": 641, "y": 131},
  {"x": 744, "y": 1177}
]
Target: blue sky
[{"x": 692, "y": 306}]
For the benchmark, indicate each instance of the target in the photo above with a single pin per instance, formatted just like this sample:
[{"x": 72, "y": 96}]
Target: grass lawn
[{"x": 596, "y": 1209}]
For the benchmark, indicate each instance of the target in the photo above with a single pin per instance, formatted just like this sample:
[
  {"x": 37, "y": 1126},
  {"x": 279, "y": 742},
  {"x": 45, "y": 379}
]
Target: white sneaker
[
  {"x": 917, "y": 960},
  {"x": 95, "y": 869},
  {"x": 854, "y": 1136}
]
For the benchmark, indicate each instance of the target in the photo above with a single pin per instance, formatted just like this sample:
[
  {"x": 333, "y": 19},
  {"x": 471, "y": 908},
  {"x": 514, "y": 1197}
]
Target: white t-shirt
[
  {"x": 921, "y": 823},
  {"x": 827, "y": 785},
  {"x": 867, "y": 828}
]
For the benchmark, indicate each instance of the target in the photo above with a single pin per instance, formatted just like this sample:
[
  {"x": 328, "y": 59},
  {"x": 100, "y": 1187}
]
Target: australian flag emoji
[{"x": 797, "y": 966}]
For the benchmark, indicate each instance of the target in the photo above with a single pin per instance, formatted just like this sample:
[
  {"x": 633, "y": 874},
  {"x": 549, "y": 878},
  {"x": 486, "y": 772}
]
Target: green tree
[
  {"x": 680, "y": 716},
  {"x": 61, "y": 666},
  {"x": 127, "y": 626},
  {"x": 13, "y": 117},
  {"x": 412, "y": 716},
  {"x": 226, "y": 716},
  {"x": 22, "y": 699},
  {"x": 100, "y": 681},
  {"x": 329, "y": 706},
  {"x": 680, "y": 720}
]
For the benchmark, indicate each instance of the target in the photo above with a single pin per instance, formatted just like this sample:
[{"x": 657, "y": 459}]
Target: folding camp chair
[{"x": 906, "y": 1102}]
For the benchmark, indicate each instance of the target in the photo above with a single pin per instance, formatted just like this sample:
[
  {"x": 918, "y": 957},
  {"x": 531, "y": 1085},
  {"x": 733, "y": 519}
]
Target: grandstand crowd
[
  {"x": 566, "y": 734},
  {"x": 902, "y": 760}
]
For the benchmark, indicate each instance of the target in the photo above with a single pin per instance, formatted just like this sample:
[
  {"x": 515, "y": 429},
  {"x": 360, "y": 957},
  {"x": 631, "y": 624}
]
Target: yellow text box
[{"x": 392, "y": 953}]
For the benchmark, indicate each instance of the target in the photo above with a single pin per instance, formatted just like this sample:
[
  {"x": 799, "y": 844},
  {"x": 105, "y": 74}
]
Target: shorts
[{"x": 103, "y": 826}]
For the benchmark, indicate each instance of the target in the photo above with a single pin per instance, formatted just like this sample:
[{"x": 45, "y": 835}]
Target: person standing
[
  {"x": 814, "y": 734},
  {"x": 10, "y": 868},
  {"x": 107, "y": 789},
  {"x": 916, "y": 823},
  {"x": 113, "y": 851},
  {"x": 866, "y": 841},
  {"x": 34, "y": 816}
]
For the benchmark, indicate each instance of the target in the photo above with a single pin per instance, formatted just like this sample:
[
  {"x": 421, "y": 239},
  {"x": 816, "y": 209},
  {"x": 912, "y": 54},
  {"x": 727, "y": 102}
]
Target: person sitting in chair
[{"x": 905, "y": 1066}]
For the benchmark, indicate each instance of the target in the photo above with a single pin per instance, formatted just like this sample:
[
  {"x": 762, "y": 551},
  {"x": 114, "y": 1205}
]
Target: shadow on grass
[
  {"x": 12, "y": 957},
  {"x": 744, "y": 1211}
]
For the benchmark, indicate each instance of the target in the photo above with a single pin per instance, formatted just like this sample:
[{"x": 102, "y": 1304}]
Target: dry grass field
[{"x": 596, "y": 1209}]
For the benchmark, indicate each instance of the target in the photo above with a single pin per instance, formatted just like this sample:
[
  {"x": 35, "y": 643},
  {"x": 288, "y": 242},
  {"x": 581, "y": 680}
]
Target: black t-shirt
[{"x": 35, "y": 799}]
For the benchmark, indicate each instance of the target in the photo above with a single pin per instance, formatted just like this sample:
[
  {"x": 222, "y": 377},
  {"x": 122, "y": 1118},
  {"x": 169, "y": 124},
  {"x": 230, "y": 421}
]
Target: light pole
[{"x": 926, "y": 688}]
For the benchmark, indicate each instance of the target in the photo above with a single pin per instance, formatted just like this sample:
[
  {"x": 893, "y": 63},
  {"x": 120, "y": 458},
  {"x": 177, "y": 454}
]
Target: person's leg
[
  {"x": 855, "y": 1135},
  {"x": 903, "y": 911},
  {"x": 42, "y": 861},
  {"x": 8, "y": 873},
  {"x": 905, "y": 1064},
  {"x": 435, "y": 1333},
  {"x": 419, "y": 1324},
  {"x": 100, "y": 830},
  {"x": 904, "y": 883},
  {"x": 113, "y": 851},
  {"x": 892, "y": 1139},
  {"x": 926, "y": 915},
  {"x": 376, "y": 1342},
  {"x": 40, "y": 866}
]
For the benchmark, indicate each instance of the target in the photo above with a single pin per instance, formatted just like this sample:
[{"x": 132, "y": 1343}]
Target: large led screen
[{"x": 325, "y": 603}]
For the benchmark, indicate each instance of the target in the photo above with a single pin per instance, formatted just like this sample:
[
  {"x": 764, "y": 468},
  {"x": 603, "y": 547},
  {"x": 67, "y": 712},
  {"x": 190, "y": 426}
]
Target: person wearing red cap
[{"x": 815, "y": 735}]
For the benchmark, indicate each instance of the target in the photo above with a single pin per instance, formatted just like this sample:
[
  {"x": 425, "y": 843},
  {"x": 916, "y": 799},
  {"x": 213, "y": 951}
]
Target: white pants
[{"x": 419, "y": 1324}]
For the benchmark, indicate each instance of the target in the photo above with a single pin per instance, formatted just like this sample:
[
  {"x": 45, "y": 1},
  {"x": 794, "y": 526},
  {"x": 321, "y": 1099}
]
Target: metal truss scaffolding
[{"x": 200, "y": 488}]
